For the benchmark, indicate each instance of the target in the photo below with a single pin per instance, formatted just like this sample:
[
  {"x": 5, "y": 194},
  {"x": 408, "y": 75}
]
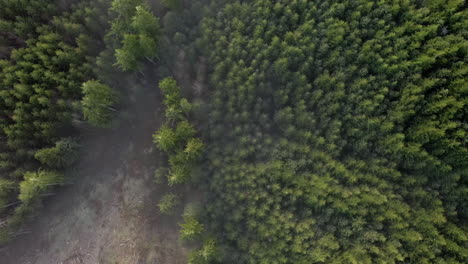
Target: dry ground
[{"x": 109, "y": 214}]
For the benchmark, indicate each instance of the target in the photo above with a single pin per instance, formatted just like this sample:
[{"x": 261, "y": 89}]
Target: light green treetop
[{"x": 97, "y": 101}]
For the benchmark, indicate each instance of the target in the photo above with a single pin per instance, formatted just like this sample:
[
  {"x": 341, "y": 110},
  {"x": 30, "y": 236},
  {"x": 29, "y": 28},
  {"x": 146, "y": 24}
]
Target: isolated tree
[{"x": 97, "y": 103}]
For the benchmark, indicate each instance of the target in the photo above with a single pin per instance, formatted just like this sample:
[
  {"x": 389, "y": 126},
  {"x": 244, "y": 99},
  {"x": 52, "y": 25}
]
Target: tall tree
[
  {"x": 139, "y": 32},
  {"x": 97, "y": 103}
]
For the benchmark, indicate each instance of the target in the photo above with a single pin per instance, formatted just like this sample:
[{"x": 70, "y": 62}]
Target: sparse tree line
[{"x": 177, "y": 138}]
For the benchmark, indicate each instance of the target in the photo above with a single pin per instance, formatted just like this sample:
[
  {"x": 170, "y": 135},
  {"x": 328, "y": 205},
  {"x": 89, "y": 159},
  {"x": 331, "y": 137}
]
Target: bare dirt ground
[{"x": 109, "y": 214}]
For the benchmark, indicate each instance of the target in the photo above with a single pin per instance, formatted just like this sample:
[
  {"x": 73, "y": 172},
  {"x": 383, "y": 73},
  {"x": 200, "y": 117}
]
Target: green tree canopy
[
  {"x": 145, "y": 23},
  {"x": 139, "y": 32},
  {"x": 97, "y": 103},
  {"x": 62, "y": 155},
  {"x": 38, "y": 183},
  {"x": 165, "y": 139},
  {"x": 191, "y": 228},
  {"x": 337, "y": 130}
]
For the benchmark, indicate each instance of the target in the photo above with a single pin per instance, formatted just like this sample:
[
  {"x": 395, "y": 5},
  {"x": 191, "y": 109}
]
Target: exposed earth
[{"x": 108, "y": 214}]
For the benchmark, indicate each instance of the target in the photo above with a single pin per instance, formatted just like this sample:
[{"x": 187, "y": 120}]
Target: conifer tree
[{"x": 97, "y": 103}]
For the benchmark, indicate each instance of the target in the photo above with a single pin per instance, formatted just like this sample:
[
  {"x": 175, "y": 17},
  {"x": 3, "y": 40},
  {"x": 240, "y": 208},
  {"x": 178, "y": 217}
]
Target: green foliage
[
  {"x": 97, "y": 103},
  {"x": 185, "y": 106},
  {"x": 184, "y": 132},
  {"x": 209, "y": 253},
  {"x": 62, "y": 155},
  {"x": 179, "y": 172},
  {"x": 191, "y": 228},
  {"x": 125, "y": 9},
  {"x": 139, "y": 32},
  {"x": 45, "y": 56},
  {"x": 193, "y": 149},
  {"x": 179, "y": 110},
  {"x": 177, "y": 135},
  {"x": 337, "y": 130},
  {"x": 7, "y": 187},
  {"x": 134, "y": 48},
  {"x": 165, "y": 138},
  {"x": 171, "y": 92},
  {"x": 145, "y": 23},
  {"x": 127, "y": 56},
  {"x": 174, "y": 114},
  {"x": 21, "y": 17},
  {"x": 172, "y": 4},
  {"x": 45, "y": 77},
  {"x": 168, "y": 202},
  {"x": 36, "y": 184}
]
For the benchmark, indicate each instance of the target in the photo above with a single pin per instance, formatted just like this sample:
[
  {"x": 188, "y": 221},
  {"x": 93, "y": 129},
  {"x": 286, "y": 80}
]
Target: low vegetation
[{"x": 168, "y": 202}]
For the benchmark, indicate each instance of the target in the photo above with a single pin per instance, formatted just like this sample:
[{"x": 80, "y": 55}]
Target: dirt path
[{"x": 109, "y": 215}]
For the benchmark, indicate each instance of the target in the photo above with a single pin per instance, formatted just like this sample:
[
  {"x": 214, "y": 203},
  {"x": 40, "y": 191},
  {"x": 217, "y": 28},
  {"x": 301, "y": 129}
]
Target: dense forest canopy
[
  {"x": 46, "y": 55},
  {"x": 338, "y": 130}
]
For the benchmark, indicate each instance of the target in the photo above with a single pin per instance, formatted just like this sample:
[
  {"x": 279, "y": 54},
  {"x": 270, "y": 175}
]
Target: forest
[
  {"x": 44, "y": 61},
  {"x": 338, "y": 132},
  {"x": 311, "y": 131}
]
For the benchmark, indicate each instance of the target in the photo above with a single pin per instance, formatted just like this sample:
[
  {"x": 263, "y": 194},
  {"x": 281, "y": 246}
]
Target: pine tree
[{"x": 97, "y": 103}]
